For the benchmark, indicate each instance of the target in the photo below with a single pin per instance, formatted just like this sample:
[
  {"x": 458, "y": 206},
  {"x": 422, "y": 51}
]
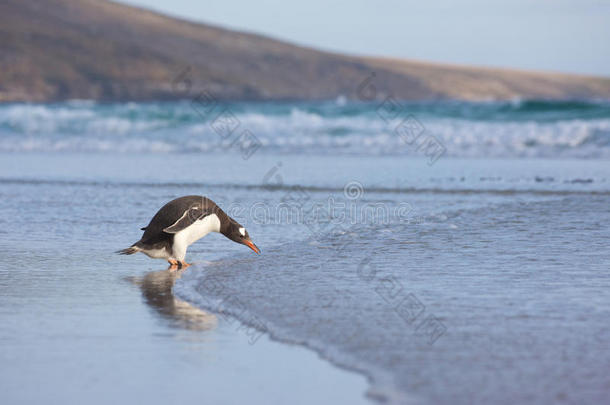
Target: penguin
[{"x": 182, "y": 222}]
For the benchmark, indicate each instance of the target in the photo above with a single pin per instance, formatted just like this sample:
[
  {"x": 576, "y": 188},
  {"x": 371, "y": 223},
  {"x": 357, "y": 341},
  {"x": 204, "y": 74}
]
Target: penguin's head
[{"x": 238, "y": 233}]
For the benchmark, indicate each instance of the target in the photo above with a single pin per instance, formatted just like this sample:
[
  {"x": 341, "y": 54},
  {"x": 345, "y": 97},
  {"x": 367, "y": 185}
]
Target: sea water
[{"x": 450, "y": 252}]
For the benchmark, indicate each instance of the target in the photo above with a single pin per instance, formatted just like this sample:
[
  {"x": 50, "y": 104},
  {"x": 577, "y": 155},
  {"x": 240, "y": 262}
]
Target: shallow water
[{"x": 463, "y": 281}]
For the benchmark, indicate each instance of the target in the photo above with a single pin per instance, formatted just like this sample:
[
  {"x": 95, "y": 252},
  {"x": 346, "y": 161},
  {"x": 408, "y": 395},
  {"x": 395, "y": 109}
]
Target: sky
[{"x": 553, "y": 35}]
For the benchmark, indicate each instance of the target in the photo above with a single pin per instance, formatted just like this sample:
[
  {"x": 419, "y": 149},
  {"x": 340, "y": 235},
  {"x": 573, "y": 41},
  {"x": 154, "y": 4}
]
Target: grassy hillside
[{"x": 92, "y": 49}]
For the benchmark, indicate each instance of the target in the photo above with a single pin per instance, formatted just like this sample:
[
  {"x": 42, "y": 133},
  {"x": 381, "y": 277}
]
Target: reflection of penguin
[{"x": 156, "y": 289}]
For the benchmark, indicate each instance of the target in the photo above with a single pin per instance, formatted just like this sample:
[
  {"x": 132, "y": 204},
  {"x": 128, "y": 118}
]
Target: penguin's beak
[{"x": 252, "y": 246}]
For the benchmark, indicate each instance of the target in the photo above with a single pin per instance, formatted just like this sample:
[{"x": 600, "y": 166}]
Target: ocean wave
[
  {"x": 399, "y": 306},
  {"x": 463, "y": 129}
]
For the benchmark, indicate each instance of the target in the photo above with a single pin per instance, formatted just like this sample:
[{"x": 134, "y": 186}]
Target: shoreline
[
  {"x": 377, "y": 391},
  {"x": 327, "y": 381}
]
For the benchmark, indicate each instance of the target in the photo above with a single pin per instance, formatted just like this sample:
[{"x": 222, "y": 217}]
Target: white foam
[{"x": 170, "y": 128}]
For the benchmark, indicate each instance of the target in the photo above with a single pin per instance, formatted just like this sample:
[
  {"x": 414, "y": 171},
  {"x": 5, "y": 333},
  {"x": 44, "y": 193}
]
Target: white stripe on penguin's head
[{"x": 242, "y": 231}]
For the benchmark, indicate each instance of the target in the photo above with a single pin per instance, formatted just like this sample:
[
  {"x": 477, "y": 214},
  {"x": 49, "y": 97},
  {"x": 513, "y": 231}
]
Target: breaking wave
[{"x": 529, "y": 128}]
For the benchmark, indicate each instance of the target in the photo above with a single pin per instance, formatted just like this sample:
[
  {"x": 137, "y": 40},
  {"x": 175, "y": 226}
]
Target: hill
[{"x": 53, "y": 50}]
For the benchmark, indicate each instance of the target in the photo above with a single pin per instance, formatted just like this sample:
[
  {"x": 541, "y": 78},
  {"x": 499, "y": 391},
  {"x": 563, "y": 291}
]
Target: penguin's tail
[{"x": 129, "y": 251}]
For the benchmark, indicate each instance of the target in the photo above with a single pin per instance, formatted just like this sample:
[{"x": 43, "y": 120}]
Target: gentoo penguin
[{"x": 182, "y": 222}]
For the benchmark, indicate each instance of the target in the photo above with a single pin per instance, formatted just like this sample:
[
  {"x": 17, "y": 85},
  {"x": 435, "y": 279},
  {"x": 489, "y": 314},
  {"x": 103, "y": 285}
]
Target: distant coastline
[{"x": 60, "y": 50}]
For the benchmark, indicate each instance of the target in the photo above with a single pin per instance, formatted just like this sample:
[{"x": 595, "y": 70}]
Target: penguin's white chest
[{"x": 197, "y": 230}]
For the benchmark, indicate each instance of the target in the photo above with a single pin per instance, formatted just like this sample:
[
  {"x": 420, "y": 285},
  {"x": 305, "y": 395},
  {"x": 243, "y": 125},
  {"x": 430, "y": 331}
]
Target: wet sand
[{"x": 128, "y": 338}]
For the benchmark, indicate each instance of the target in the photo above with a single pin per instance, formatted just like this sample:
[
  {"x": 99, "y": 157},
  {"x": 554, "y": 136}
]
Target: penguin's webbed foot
[{"x": 173, "y": 264}]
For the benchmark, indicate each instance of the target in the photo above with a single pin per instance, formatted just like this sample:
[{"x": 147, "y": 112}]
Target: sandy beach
[
  {"x": 462, "y": 284},
  {"x": 79, "y": 328}
]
